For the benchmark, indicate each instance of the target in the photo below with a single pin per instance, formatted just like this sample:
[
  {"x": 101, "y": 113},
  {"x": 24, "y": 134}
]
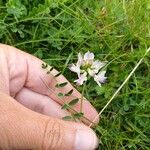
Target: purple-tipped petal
[
  {"x": 81, "y": 79},
  {"x": 100, "y": 78},
  {"x": 74, "y": 68},
  {"x": 88, "y": 56}
]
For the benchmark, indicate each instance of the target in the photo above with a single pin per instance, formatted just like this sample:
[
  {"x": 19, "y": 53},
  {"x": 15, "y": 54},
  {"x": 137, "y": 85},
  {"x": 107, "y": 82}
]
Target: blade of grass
[{"x": 128, "y": 77}]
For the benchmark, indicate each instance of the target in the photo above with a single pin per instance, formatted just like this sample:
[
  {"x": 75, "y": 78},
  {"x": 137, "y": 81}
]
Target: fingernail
[{"x": 86, "y": 140}]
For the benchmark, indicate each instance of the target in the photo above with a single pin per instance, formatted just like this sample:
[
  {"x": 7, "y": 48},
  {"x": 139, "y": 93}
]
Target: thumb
[{"x": 22, "y": 128}]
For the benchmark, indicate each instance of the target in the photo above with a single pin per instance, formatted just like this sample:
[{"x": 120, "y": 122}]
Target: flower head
[{"x": 86, "y": 65}]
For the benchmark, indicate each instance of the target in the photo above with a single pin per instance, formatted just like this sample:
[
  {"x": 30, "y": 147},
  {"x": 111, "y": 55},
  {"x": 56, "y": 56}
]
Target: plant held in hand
[{"x": 86, "y": 67}]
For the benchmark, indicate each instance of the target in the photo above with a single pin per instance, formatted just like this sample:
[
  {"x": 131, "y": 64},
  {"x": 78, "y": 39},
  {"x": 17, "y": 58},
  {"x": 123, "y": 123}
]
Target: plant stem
[
  {"x": 71, "y": 109},
  {"x": 82, "y": 97}
]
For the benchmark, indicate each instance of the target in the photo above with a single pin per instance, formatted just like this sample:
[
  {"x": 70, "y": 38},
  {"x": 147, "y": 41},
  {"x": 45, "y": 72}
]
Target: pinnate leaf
[{"x": 73, "y": 102}]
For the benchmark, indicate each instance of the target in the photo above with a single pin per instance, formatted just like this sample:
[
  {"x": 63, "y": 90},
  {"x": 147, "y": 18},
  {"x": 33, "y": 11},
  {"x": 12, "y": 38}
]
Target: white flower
[
  {"x": 87, "y": 65},
  {"x": 81, "y": 79},
  {"x": 100, "y": 77}
]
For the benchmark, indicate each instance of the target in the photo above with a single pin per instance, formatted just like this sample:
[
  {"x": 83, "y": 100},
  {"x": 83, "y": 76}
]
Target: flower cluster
[{"x": 86, "y": 65}]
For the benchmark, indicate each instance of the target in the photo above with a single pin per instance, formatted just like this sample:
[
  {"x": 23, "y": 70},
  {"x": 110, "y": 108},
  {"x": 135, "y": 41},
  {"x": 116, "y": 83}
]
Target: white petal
[
  {"x": 82, "y": 78},
  {"x": 100, "y": 77},
  {"x": 75, "y": 68},
  {"x": 92, "y": 72},
  {"x": 88, "y": 56},
  {"x": 97, "y": 65},
  {"x": 80, "y": 59}
]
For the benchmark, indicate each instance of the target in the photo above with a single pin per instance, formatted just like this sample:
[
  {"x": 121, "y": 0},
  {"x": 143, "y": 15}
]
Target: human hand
[{"x": 30, "y": 114}]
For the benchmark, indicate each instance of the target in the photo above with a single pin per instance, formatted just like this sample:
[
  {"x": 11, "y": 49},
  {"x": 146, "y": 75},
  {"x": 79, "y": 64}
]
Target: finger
[
  {"x": 30, "y": 74},
  {"x": 34, "y": 83},
  {"x": 22, "y": 128},
  {"x": 40, "y": 103}
]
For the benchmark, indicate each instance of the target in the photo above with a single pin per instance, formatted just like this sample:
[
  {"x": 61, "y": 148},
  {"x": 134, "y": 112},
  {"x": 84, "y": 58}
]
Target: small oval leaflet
[
  {"x": 78, "y": 115},
  {"x": 44, "y": 66},
  {"x": 65, "y": 106},
  {"x": 70, "y": 104},
  {"x": 60, "y": 94},
  {"x": 51, "y": 68},
  {"x": 61, "y": 84},
  {"x": 58, "y": 74},
  {"x": 67, "y": 118},
  {"x": 48, "y": 72},
  {"x": 73, "y": 102},
  {"x": 69, "y": 93}
]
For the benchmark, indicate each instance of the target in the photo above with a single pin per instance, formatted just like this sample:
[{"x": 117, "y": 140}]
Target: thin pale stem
[
  {"x": 128, "y": 77},
  {"x": 82, "y": 97}
]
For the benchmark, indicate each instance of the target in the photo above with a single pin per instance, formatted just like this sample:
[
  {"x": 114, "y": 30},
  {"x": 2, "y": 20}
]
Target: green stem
[{"x": 82, "y": 97}]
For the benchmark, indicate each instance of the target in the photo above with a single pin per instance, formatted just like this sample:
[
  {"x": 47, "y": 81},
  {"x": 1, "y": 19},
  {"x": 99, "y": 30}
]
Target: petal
[
  {"x": 74, "y": 68},
  {"x": 80, "y": 59},
  {"x": 81, "y": 79},
  {"x": 98, "y": 65},
  {"x": 88, "y": 56},
  {"x": 92, "y": 72},
  {"x": 100, "y": 78}
]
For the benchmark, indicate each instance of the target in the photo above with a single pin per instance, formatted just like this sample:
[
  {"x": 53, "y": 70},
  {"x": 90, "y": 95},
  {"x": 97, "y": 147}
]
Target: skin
[{"x": 30, "y": 114}]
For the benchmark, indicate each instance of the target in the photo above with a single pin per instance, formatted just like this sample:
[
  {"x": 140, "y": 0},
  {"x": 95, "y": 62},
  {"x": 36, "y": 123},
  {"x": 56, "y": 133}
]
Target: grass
[{"x": 116, "y": 31}]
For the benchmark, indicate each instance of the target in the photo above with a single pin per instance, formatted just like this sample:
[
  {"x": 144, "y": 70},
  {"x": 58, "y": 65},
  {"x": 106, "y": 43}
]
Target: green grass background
[{"x": 115, "y": 30}]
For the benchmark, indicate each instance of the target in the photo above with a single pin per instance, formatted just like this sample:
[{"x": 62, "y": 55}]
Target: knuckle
[{"x": 53, "y": 133}]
